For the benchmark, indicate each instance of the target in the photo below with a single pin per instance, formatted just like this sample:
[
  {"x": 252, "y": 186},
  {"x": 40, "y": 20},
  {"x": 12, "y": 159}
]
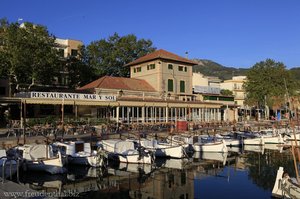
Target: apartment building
[{"x": 236, "y": 86}]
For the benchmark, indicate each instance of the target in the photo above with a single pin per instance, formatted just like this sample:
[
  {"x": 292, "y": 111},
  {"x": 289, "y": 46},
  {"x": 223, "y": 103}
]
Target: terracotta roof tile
[
  {"x": 161, "y": 54},
  {"x": 123, "y": 83}
]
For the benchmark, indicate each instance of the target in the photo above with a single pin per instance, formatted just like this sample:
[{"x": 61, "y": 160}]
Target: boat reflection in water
[
  {"x": 235, "y": 149},
  {"x": 79, "y": 179},
  {"x": 174, "y": 163},
  {"x": 274, "y": 147},
  {"x": 221, "y": 157},
  {"x": 251, "y": 173},
  {"x": 263, "y": 148},
  {"x": 254, "y": 148}
]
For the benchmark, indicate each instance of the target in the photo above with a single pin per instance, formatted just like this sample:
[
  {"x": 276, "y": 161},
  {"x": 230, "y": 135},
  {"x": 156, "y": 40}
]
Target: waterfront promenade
[{"x": 204, "y": 128}]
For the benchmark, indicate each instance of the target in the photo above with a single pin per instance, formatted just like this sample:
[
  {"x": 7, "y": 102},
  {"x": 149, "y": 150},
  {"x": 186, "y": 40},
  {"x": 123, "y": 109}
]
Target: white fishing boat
[
  {"x": 254, "y": 141},
  {"x": 40, "y": 158},
  {"x": 275, "y": 139},
  {"x": 229, "y": 140},
  {"x": 127, "y": 151},
  {"x": 284, "y": 186},
  {"x": 218, "y": 146},
  {"x": 271, "y": 136},
  {"x": 164, "y": 149},
  {"x": 267, "y": 136},
  {"x": 184, "y": 140},
  {"x": 79, "y": 152}
]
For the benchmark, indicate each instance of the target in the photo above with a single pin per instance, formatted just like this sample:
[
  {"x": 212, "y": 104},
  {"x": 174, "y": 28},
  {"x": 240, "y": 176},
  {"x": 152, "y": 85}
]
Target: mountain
[
  {"x": 211, "y": 68},
  {"x": 296, "y": 72}
]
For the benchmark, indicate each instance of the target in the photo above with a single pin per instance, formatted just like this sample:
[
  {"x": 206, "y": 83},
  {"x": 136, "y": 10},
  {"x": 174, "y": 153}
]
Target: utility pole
[{"x": 288, "y": 99}]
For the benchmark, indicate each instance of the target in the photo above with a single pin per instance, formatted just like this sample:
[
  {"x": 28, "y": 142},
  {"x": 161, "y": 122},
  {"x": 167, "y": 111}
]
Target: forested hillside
[{"x": 211, "y": 68}]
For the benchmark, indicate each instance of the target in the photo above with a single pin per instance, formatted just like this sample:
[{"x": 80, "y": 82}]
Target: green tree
[
  {"x": 108, "y": 56},
  {"x": 268, "y": 83},
  {"x": 28, "y": 55},
  {"x": 78, "y": 69},
  {"x": 226, "y": 92}
]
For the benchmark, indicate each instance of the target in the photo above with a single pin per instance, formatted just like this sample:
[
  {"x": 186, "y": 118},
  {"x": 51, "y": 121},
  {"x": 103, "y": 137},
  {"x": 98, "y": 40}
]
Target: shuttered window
[
  {"x": 182, "y": 86},
  {"x": 170, "y": 85}
]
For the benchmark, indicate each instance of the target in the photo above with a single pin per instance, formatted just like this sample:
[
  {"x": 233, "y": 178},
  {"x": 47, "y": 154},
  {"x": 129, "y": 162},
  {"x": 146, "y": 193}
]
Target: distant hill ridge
[{"x": 211, "y": 68}]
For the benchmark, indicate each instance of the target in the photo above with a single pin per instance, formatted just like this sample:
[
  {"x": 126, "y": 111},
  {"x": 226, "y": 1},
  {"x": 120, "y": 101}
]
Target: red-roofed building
[
  {"x": 122, "y": 87},
  {"x": 162, "y": 55},
  {"x": 119, "y": 83}
]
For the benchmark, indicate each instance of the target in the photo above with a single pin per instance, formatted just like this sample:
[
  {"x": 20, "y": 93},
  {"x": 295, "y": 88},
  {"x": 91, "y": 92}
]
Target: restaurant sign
[{"x": 72, "y": 96}]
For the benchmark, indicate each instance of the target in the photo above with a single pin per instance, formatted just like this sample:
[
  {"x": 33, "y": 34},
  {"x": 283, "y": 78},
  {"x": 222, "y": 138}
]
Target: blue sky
[{"x": 235, "y": 33}]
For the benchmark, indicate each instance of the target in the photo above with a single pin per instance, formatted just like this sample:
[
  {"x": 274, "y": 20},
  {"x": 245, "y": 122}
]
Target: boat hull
[
  {"x": 52, "y": 166},
  {"x": 45, "y": 166},
  {"x": 93, "y": 161},
  {"x": 273, "y": 140},
  {"x": 164, "y": 149},
  {"x": 135, "y": 158},
  {"x": 170, "y": 151},
  {"x": 211, "y": 147},
  {"x": 253, "y": 141}
]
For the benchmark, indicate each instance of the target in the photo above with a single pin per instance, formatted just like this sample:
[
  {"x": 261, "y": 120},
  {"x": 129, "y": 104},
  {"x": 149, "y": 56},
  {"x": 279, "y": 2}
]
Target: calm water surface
[{"x": 248, "y": 173}]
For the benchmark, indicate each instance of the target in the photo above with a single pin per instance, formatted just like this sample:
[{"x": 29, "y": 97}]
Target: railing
[{"x": 10, "y": 160}]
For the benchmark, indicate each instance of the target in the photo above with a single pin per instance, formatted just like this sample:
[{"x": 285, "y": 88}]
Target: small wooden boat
[
  {"x": 284, "y": 186},
  {"x": 79, "y": 152},
  {"x": 40, "y": 158},
  {"x": 218, "y": 146},
  {"x": 271, "y": 136},
  {"x": 184, "y": 140},
  {"x": 254, "y": 141},
  {"x": 229, "y": 140},
  {"x": 126, "y": 151},
  {"x": 267, "y": 136},
  {"x": 164, "y": 149}
]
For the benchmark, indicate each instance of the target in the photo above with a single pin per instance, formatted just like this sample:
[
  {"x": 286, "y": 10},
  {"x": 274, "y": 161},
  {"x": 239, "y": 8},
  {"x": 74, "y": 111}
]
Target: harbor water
[{"x": 241, "y": 173}]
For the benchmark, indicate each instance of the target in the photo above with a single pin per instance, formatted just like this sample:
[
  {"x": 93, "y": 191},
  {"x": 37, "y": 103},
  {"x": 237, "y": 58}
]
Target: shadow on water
[{"x": 239, "y": 173}]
